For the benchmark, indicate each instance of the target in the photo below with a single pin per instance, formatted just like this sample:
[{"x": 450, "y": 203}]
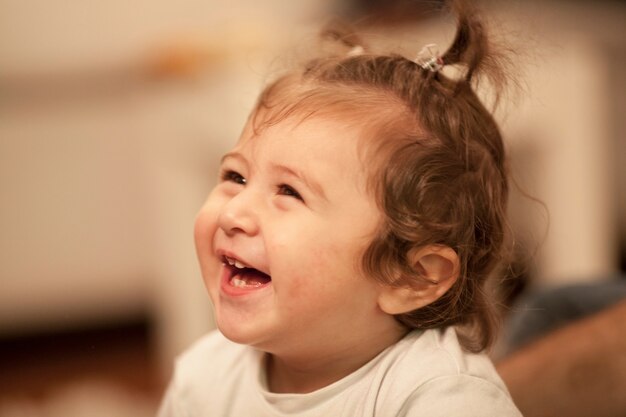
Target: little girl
[{"x": 347, "y": 244}]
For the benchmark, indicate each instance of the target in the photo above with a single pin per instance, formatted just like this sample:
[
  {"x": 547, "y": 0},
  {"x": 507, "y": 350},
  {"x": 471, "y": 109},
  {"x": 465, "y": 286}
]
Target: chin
[{"x": 238, "y": 333}]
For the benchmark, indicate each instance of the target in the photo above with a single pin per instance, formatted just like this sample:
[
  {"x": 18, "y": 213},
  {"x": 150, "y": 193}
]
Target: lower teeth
[{"x": 240, "y": 283}]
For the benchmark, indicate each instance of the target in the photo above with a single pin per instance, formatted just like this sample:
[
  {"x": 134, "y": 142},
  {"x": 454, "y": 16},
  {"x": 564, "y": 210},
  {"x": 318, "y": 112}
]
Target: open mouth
[{"x": 244, "y": 277}]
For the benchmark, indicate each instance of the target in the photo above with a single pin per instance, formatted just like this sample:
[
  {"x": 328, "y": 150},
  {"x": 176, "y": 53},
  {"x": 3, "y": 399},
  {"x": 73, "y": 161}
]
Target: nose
[{"x": 239, "y": 215}]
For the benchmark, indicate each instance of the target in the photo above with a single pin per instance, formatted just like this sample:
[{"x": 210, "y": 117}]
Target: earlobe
[{"x": 436, "y": 270}]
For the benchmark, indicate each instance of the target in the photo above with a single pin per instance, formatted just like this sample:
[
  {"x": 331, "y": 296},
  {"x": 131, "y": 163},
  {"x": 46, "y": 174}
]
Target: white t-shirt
[{"x": 425, "y": 374}]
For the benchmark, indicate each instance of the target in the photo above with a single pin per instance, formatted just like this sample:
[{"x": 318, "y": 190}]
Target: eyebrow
[
  {"x": 235, "y": 155},
  {"x": 299, "y": 175},
  {"x": 313, "y": 185}
]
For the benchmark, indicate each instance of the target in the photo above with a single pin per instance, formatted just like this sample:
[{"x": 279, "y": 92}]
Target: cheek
[
  {"x": 204, "y": 228},
  {"x": 316, "y": 270},
  {"x": 207, "y": 218}
]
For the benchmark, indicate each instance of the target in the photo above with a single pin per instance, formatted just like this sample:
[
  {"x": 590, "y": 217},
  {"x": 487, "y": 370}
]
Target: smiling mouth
[{"x": 244, "y": 277}]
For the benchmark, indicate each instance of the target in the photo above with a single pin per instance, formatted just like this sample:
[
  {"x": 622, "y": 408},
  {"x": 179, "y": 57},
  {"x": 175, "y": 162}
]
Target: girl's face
[{"x": 280, "y": 240}]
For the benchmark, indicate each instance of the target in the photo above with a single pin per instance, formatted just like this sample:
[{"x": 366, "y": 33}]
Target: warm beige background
[{"x": 113, "y": 115}]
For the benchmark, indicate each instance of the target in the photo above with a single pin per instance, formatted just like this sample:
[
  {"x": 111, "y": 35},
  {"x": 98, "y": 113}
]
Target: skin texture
[
  {"x": 579, "y": 370},
  {"x": 292, "y": 202}
]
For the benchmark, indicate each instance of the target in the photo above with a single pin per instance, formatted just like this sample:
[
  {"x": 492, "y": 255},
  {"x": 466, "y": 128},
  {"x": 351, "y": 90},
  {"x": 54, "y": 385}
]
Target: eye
[
  {"x": 289, "y": 191},
  {"x": 233, "y": 176}
]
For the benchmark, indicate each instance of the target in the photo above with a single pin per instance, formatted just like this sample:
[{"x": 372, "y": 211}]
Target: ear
[{"x": 436, "y": 270}]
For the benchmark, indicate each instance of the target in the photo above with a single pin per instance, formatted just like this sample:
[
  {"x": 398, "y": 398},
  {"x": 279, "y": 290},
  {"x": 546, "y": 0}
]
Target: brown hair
[{"x": 439, "y": 171}]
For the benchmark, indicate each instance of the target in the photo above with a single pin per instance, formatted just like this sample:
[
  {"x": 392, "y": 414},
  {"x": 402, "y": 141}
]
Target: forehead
[
  {"x": 316, "y": 138},
  {"x": 330, "y": 132}
]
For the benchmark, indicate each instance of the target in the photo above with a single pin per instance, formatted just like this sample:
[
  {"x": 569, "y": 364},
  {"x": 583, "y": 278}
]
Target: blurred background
[{"x": 113, "y": 116}]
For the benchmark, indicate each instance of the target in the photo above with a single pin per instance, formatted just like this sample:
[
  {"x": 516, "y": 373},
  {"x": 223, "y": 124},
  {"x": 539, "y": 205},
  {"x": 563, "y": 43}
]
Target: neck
[{"x": 307, "y": 374}]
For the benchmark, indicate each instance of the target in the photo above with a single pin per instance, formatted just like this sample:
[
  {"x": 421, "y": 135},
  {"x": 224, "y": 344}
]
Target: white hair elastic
[
  {"x": 356, "y": 51},
  {"x": 428, "y": 58}
]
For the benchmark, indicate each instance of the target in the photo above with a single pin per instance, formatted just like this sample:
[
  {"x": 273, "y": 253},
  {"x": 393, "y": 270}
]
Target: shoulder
[
  {"x": 437, "y": 353},
  {"x": 460, "y": 395},
  {"x": 432, "y": 374}
]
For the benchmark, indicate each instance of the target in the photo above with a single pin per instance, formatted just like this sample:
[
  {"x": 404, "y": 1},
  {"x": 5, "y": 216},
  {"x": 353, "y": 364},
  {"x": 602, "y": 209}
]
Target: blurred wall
[{"x": 566, "y": 140}]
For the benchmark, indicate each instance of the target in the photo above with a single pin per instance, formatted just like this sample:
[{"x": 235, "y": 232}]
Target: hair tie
[
  {"x": 356, "y": 51},
  {"x": 428, "y": 58}
]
